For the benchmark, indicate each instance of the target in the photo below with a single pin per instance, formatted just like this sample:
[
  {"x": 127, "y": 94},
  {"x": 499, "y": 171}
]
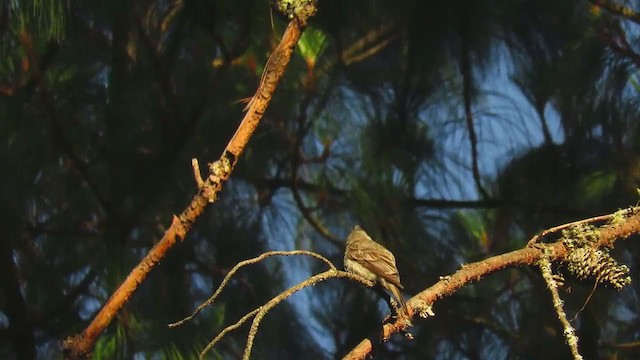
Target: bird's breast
[{"x": 354, "y": 267}]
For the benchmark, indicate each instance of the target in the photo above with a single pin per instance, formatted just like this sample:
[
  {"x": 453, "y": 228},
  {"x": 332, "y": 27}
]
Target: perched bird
[{"x": 374, "y": 262}]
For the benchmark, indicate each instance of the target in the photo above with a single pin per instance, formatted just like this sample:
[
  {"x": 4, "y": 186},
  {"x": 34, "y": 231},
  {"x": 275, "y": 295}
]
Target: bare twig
[
  {"x": 245, "y": 263},
  {"x": 586, "y": 301},
  {"x": 554, "y": 229},
  {"x": 260, "y": 312},
  {"x": 219, "y": 337},
  {"x": 329, "y": 274},
  {"x": 569, "y": 332}
]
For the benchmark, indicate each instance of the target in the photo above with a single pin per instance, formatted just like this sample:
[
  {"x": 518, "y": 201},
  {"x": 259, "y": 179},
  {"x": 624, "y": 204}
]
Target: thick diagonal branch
[{"x": 80, "y": 346}]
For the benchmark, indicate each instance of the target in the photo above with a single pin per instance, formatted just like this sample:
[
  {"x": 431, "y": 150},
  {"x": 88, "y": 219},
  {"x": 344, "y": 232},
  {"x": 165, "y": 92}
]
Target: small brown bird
[{"x": 374, "y": 262}]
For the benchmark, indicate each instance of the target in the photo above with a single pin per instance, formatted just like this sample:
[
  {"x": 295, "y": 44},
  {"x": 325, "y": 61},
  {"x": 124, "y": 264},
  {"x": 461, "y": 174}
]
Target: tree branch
[
  {"x": 619, "y": 10},
  {"x": 260, "y": 312},
  {"x": 245, "y": 263},
  {"x": 624, "y": 224},
  {"x": 569, "y": 332},
  {"x": 467, "y": 85},
  {"x": 326, "y": 275},
  {"x": 493, "y": 203},
  {"x": 302, "y": 129},
  {"x": 80, "y": 346},
  {"x": 38, "y": 80}
]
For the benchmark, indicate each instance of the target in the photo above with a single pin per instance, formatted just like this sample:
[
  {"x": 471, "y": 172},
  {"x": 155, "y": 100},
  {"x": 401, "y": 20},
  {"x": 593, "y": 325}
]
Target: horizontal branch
[{"x": 277, "y": 183}]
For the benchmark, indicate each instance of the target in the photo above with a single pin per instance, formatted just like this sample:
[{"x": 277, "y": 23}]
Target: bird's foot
[
  {"x": 395, "y": 312},
  {"x": 403, "y": 324}
]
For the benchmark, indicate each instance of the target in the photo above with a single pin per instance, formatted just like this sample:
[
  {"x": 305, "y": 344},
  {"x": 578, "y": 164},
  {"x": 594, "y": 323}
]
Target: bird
[{"x": 365, "y": 257}]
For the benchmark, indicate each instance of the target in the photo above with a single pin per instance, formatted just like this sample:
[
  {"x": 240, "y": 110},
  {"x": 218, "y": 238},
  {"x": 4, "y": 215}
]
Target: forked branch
[
  {"x": 622, "y": 224},
  {"x": 260, "y": 312}
]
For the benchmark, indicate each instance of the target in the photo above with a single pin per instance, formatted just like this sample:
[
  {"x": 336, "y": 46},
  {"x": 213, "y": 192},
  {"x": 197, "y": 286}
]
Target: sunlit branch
[
  {"x": 80, "y": 346},
  {"x": 554, "y": 229},
  {"x": 624, "y": 224},
  {"x": 569, "y": 332}
]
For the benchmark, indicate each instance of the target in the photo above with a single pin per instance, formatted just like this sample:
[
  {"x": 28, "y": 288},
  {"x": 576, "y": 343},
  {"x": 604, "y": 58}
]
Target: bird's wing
[{"x": 377, "y": 259}]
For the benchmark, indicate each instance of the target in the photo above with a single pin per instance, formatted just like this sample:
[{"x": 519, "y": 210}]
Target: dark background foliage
[{"x": 450, "y": 130}]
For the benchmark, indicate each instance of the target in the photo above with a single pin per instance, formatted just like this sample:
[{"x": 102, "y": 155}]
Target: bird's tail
[{"x": 400, "y": 299}]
